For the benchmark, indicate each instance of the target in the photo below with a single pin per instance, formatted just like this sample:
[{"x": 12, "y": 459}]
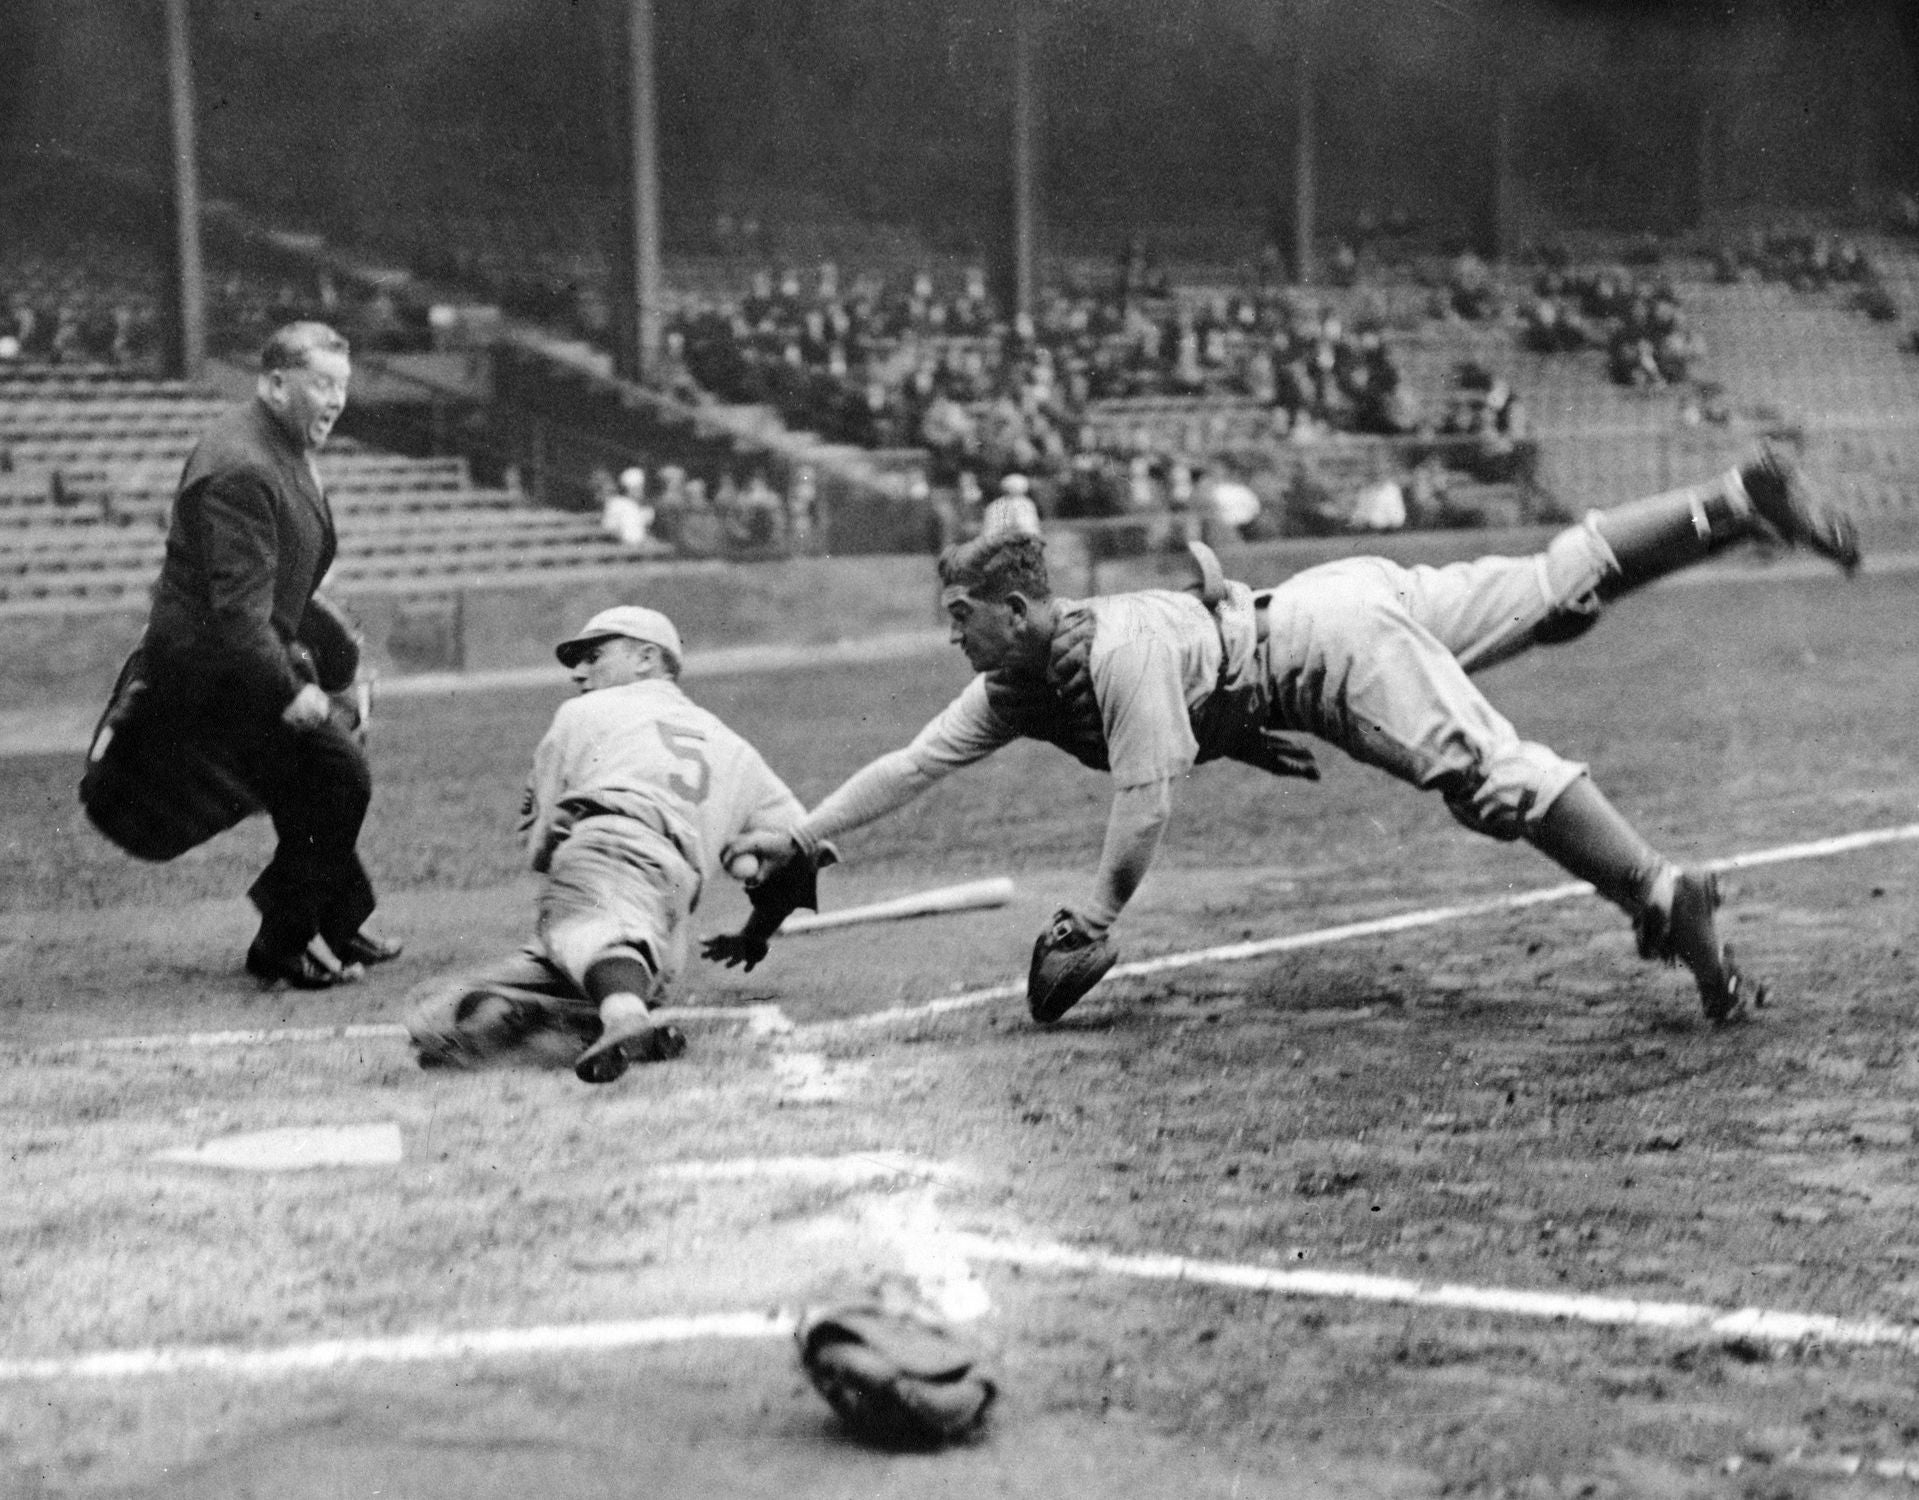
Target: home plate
[{"x": 295, "y": 1148}]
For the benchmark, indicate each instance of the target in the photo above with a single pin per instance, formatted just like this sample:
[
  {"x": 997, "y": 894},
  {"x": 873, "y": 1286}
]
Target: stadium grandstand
[{"x": 1254, "y": 273}]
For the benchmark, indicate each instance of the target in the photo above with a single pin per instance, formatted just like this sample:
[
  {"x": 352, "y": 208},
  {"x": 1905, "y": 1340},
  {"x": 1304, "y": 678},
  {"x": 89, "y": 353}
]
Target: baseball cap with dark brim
[{"x": 633, "y": 622}]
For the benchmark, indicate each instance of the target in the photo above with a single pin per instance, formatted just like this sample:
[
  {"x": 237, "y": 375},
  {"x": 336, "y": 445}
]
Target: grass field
[{"x": 1511, "y": 1103}]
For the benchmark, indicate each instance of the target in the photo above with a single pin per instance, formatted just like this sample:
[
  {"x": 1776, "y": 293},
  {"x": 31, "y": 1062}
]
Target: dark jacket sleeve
[{"x": 239, "y": 542}]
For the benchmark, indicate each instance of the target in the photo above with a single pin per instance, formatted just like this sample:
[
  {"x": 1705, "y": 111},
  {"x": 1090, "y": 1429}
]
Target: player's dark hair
[
  {"x": 991, "y": 567},
  {"x": 293, "y": 346}
]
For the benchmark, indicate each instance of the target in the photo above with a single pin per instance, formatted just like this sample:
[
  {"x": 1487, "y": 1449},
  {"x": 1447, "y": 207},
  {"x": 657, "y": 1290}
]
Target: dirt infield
[{"x": 1509, "y": 1103}]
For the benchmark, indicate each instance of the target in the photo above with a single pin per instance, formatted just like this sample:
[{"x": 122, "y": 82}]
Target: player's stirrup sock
[
  {"x": 1663, "y": 533},
  {"x": 1588, "y": 837},
  {"x": 617, "y": 974}
]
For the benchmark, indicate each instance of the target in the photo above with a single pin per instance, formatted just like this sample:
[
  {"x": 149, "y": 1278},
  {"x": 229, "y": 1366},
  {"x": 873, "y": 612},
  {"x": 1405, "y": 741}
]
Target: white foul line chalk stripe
[
  {"x": 767, "y": 1019},
  {"x": 411, "y": 1348},
  {"x": 1756, "y": 1323},
  {"x": 760, "y": 1020},
  {"x": 1377, "y": 927},
  {"x": 1752, "y": 1323}
]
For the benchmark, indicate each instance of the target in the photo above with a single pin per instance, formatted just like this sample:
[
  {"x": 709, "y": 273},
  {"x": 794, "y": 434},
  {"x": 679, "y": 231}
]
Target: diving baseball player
[
  {"x": 1362, "y": 653},
  {"x": 637, "y": 796}
]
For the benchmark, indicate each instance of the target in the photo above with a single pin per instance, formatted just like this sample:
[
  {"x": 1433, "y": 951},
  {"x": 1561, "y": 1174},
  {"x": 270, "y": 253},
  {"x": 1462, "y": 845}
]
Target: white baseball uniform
[
  {"x": 1364, "y": 653},
  {"x": 636, "y": 794}
]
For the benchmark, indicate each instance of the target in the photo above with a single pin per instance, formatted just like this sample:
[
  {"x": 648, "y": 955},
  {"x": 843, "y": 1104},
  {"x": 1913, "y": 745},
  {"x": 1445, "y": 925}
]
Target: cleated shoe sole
[
  {"x": 1788, "y": 504},
  {"x": 608, "y": 1058}
]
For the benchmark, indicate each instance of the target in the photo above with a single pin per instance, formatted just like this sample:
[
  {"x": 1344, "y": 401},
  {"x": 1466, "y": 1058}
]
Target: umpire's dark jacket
[
  {"x": 179, "y": 752},
  {"x": 250, "y": 539}
]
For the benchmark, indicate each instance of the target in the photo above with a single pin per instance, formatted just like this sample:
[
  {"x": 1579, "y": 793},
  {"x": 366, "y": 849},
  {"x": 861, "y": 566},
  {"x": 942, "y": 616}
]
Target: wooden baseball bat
[{"x": 971, "y": 896}]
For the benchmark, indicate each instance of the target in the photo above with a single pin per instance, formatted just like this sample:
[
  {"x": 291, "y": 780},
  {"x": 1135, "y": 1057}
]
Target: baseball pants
[
  {"x": 1375, "y": 658},
  {"x": 614, "y": 885}
]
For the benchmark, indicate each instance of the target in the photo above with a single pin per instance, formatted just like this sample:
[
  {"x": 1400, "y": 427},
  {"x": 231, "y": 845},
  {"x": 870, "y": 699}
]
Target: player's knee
[
  {"x": 1508, "y": 792},
  {"x": 433, "y": 1009}
]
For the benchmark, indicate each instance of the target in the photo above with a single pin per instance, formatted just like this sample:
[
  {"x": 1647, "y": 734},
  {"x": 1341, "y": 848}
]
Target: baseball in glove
[
  {"x": 896, "y": 1380},
  {"x": 1067, "y": 962}
]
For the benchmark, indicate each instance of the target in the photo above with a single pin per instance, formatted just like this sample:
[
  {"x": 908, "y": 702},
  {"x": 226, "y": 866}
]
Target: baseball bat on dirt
[{"x": 971, "y": 896}]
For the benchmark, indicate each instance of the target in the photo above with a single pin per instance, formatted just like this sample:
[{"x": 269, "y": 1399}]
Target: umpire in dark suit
[{"x": 249, "y": 540}]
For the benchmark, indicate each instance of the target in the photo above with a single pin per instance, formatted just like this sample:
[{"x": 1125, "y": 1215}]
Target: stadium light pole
[
  {"x": 1500, "y": 198},
  {"x": 1305, "y": 146},
  {"x": 187, "y": 313},
  {"x": 639, "y": 317},
  {"x": 1025, "y": 159}
]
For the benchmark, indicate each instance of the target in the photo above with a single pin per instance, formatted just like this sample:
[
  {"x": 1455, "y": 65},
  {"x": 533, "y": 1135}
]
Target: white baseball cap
[{"x": 633, "y": 621}]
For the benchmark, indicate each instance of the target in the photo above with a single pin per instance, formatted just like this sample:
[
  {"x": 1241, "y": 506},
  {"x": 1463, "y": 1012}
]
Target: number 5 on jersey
[{"x": 688, "y": 745}]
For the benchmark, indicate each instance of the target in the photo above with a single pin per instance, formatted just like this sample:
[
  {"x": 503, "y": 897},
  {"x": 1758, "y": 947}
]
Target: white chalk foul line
[
  {"x": 760, "y": 1020},
  {"x": 934, "y": 1261},
  {"x": 411, "y": 1348},
  {"x": 1431, "y": 916},
  {"x": 1760, "y": 1324},
  {"x": 768, "y": 1019},
  {"x": 1756, "y": 1323}
]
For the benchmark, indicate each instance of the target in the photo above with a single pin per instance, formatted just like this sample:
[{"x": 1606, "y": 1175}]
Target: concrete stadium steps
[
  {"x": 100, "y": 543},
  {"x": 373, "y": 529},
  {"x": 1195, "y": 424},
  {"x": 148, "y": 485},
  {"x": 84, "y": 382},
  {"x": 448, "y": 563},
  {"x": 1809, "y": 356},
  {"x": 17, "y": 413}
]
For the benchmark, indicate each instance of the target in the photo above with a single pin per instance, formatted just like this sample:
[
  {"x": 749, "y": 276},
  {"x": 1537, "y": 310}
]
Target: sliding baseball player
[{"x": 638, "y": 797}]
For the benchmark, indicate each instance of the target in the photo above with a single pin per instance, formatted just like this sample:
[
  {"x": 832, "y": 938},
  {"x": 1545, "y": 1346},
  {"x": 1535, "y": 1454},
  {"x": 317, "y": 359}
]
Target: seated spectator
[
  {"x": 1379, "y": 507},
  {"x": 1227, "y": 506},
  {"x": 755, "y": 519},
  {"x": 701, "y": 531},
  {"x": 624, "y": 513},
  {"x": 1091, "y": 489},
  {"x": 1013, "y": 509},
  {"x": 1470, "y": 293},
  {"x": 802, "y": 512}
]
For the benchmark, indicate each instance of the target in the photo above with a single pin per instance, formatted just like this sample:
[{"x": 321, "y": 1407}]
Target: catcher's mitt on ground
[
  {"x": 896, "y": 1380},
  {"x": 1067, "y": 962}
]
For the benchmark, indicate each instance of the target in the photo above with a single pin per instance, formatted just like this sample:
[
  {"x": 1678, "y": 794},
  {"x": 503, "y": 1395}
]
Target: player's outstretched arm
[
  {"x": 1134, "y": 825},
  {"x": 870, "y": 793}
]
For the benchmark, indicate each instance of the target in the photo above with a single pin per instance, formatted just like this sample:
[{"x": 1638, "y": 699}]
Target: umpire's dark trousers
[{"x": 315, "y": 785}]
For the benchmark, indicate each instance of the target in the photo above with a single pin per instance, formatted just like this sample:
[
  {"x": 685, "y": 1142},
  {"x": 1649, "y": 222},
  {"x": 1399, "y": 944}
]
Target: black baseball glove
[
  {"x": 1068, "y": 960},
  {"x": 896, "y": 1380},
  {"x": 787, "y": 880}
]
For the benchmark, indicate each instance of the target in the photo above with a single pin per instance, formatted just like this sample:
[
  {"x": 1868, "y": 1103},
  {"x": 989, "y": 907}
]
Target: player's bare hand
[
  {"x": 734, "y": 949},
  {"x": 771, "y": 848},
  {"x": 309, "y": 709}
]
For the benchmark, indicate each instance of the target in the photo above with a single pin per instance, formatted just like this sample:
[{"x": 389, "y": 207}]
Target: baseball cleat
[
  {"x": 367, "y": 948},
  {"x": 1686, "y": 932},
  {"x": 1790, "y": 506},
  {"x": 301, "y": 970},
  {"x": 607, "y": 1059}
]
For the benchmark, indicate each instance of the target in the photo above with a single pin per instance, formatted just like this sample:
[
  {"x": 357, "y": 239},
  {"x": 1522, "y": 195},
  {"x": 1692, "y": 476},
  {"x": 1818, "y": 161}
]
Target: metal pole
[
  {"x": 1304, "y": 153},
  {"x": 1025, "y": 159},
  {"x": 1499, "y": 214},
  {"x": 187, "y": 322},
  {"x": 640, "y": 297}
]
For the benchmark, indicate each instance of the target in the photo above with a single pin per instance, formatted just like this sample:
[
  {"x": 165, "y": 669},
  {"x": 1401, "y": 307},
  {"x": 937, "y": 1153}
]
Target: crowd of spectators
[
  {"x": 677, "y": 515},
  {"x": 1115, "y": 401},
  {"x": 91, "y": 302},
  {"x": 1811, "y": 263},
  {"x": 1638, "y": 322},
  {"x": 909, "y": 367},
  {"x": 97, "y": 303}
]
